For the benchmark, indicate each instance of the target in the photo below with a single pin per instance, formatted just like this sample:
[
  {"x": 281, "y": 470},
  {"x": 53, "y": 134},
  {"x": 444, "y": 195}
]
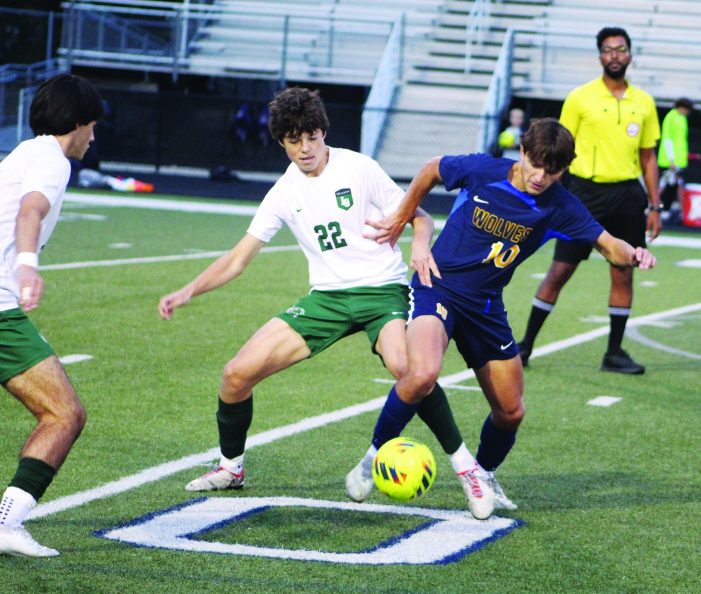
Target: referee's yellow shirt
[{"x": 609, "y": 132}]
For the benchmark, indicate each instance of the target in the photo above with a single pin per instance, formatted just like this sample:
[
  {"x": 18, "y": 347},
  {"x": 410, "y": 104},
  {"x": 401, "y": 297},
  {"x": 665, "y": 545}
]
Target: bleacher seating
[{"x": 443, "y": 86}]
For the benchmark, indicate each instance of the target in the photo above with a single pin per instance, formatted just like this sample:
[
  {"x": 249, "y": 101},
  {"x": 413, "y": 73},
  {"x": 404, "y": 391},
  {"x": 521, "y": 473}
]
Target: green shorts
[
  {"x": 21, "y": 344},
  {"x": 324, "y": 317}
]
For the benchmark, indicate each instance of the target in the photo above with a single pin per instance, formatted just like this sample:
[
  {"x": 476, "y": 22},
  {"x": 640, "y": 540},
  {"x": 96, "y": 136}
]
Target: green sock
[
  {"x": 233, "y": 421},
  {"x": 434, "y": 410},
  {"x": 33, "y": 476}
]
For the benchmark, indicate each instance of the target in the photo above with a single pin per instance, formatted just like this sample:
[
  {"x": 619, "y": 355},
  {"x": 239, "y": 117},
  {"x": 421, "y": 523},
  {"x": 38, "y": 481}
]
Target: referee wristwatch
[{"x": 655, "y": 207}]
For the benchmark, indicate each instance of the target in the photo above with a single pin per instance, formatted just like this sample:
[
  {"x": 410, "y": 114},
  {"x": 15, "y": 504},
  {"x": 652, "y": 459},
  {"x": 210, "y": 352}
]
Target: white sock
[
  {"x": 234, "y": 465},
  {"x": 462, "y": 459},
  {"x": 367, "y": 461},
  {"x": 15, "y": 507}
]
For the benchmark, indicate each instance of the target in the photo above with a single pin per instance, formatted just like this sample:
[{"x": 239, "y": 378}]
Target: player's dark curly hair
[
  {"x": 296, "y": 110},
  {"x": 549, "y": 145},
  {"x": 611, "y": 32},
  {"x": 63, "y": 102}
]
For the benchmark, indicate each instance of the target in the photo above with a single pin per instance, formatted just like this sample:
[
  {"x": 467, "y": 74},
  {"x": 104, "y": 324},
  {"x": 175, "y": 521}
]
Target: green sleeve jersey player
[
  {"x": 325, "y": 197},
  {"x": 33, "y": 180}
]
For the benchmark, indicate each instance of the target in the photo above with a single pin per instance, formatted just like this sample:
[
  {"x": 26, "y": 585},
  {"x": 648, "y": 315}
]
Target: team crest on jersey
[
  {"x": 632, "y": 129},
  {"x": 344, "y": 198}
]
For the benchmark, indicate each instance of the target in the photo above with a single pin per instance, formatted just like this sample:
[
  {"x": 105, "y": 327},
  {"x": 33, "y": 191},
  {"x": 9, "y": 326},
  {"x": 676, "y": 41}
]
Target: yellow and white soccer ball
[{"x": 404, "y": 469}]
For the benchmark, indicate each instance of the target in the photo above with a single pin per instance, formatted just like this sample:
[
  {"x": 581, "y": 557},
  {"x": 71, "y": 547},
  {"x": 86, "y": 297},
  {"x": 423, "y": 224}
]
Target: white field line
[
  {"x": 160, "y": 204},
  {"x": 157, "y": 259},
  {"x": 157, "y": 472}
]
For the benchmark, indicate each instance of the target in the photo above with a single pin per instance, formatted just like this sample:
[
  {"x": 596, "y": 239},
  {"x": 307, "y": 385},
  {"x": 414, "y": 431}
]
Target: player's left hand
[
  {"x": 654, "y": 226},
  {"x": 644, "y": 259}
]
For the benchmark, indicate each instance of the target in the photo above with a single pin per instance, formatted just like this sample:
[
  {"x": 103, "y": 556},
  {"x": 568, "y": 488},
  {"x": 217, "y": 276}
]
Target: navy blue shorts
[{"x": 477, "y": 324}]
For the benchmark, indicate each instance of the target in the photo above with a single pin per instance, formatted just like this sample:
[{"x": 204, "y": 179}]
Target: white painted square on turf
[
  {"x": 604, "y": 400},
  {"x": 446, "y": 536}
]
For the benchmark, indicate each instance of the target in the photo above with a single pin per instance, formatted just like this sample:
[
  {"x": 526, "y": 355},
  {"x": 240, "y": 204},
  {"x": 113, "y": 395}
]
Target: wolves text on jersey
[{"x": 499, "y": 226}]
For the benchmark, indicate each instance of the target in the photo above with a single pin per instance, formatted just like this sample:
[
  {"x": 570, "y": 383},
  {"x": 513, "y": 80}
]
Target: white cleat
[
  {"x": 501, "y": 501},
  {"x": 359, "y": 484},
  {"x": 19, "y": 543},
  {"x": 217, "y": 479},
  {"x": 480, "y": 497}
]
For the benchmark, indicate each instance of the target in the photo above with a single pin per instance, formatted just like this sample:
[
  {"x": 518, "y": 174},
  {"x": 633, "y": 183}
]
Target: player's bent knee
[
  {"x": 234, "y": 381},
  {"x": 80, "y": 418},
  {"x": 421, "y": 382},
  {"x": 74, "y": 419},
  {"x": 509, "y": 419},
  {"x": 397, "y": 369}
]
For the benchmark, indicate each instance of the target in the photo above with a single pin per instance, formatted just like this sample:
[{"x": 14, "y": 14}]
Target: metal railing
[
  {"x": 381, "y": 94},
  {"x": 498, "y": 96},
  {"x": 304, "y": 43},
  {"x": 663, "y": 65},
  {"x": 477, "y": 23}
]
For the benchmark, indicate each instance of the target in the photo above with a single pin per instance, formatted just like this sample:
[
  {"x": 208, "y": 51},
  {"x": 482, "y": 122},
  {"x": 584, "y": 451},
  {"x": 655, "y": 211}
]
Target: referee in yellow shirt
[{"x": 616, "y": 130}]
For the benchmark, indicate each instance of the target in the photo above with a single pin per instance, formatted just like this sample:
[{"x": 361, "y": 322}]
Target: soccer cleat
[
  {"x": 621, "y": 362},
  {"x": 217, "y": 479},
  {"x": 359, "y": 484},
  {"x": 524, "y": 353},
  {"x": 501, "y": 501},
  {"x": 480, "y": 497},
  {"x": 19, "y": 543}
]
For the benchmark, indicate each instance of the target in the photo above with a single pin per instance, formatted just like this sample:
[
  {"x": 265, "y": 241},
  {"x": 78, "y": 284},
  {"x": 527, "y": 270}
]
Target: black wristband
[{"x": 658, "y": 208}]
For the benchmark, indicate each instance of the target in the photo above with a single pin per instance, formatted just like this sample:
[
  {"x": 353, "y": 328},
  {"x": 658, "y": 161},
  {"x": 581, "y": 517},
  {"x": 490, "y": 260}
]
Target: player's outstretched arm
[
  {"x": 621, "y": 253},
  {"x": 390, "y": 228},
  {"x": 220, "y": 272}
]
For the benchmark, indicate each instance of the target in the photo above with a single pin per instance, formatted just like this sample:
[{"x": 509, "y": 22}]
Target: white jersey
[
  {"x": 36, "y": 165},
  {"x": 327, "y": 216}
]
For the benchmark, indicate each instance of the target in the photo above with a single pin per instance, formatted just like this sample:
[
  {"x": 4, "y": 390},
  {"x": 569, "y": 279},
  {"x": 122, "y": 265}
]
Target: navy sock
[
  {"x": 434, "y": 410},
  {"x": 494, "y": 445},
  {"x": 393, "y": 418}
]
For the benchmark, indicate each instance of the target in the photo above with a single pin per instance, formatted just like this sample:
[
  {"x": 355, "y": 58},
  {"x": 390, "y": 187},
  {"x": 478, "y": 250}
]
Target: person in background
[
  {"x": 509, "y": 139},
  {"x": 616, "y": 130},
  {"x": 673, "y": 155}
]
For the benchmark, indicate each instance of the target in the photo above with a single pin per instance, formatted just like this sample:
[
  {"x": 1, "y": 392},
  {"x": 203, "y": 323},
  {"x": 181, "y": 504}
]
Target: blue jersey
[{"x": 493, "y": 226}]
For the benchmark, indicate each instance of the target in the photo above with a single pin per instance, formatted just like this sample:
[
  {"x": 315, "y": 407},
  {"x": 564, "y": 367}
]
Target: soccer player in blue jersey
[{"x": 504, "y": 212}]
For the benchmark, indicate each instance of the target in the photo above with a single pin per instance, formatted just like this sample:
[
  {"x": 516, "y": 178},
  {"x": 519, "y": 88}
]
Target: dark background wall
[{"x": 193, "y": 122}]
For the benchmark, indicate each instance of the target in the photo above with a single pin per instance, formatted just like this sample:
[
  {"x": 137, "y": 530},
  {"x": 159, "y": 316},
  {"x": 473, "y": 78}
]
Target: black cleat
[
  {"x": 621, "y": 362},
  {"x": 524, "y": 353}
]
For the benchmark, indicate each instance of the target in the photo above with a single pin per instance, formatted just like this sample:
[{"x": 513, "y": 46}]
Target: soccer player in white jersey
[
  {"x": 325, "y": 197},
  {"x": 33, "y": 180}
]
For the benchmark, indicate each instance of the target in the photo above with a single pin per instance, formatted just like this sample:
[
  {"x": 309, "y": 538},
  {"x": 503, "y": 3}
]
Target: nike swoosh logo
[
  {"x": 298, "y": 209},
  {"x": 503, "y": 347},
  {"x": 478, "y": 199}
]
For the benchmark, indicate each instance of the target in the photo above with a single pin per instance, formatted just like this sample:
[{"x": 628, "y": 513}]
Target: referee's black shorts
[{"x": 619, "y": 207}]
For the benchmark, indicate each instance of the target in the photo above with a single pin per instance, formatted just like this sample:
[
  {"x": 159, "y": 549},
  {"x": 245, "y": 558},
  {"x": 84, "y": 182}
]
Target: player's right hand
[
  {"x": 31, "y": 287},
  {"x": 167, "y": 304}
]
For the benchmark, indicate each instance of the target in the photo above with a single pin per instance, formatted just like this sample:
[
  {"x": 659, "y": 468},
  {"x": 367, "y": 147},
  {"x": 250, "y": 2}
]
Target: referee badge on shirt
[
  {"x": 344, "y": 198},
  {"x": 632, "y": 129}
]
